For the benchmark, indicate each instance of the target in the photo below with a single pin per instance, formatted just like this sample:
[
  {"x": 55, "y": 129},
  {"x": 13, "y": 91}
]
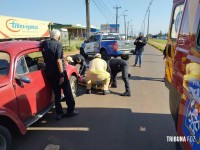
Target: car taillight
[{"x": 115, "y": 46}]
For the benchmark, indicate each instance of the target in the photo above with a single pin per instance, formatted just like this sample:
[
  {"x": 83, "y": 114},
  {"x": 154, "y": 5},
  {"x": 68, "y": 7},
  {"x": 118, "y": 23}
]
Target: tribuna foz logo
[{"x": 181, "y": 139}]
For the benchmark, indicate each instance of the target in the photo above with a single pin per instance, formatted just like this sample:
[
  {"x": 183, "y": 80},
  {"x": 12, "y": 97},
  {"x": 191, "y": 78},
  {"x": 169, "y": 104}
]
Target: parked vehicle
[
  {"x": 108, "y": 45},
  {"x": 182, "y": 71},
  {"x": 25, "y": 93}
]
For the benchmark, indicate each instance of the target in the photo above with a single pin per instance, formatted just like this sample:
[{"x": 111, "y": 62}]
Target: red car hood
[{"x": 4, "y": 81}]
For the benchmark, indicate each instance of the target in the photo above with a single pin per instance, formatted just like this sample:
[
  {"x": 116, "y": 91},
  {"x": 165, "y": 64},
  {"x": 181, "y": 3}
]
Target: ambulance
[{"x": 182, "y": 71}]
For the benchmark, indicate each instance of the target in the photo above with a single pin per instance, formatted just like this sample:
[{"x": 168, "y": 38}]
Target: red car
[{"x": 25, "y": 94}]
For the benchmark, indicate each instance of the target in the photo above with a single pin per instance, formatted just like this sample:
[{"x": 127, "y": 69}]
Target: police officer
[
  {"x": 79, "y": 59},
  {"x": 115, "y": 66},
  {"x": 56, "y": 73}
]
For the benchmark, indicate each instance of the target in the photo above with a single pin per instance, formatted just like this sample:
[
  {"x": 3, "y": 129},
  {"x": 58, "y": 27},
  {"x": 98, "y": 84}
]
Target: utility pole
[
  {"x": 116, "y": 15},
  {"x": 132, "y": 31},
  {"x": 148, "y": 26},
  {"x": 125, "y": 25},
  {"x": 128, "y": 29},
  {"x": 87, "y": 2},
  {"x": 147, "y": 11}
]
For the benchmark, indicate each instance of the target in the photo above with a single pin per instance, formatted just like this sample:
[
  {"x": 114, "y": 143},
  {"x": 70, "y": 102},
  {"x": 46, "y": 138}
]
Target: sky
[{"x": 101, "y": 12}]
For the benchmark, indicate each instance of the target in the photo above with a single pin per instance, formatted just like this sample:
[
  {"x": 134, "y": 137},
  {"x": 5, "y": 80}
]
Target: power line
[
  {"x": 105, "y": 8},
  {"x": 101, "y": 10}
]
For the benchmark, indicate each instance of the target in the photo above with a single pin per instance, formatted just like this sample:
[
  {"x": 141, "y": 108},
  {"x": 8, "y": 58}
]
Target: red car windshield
[{"x": 4, "y": 63}]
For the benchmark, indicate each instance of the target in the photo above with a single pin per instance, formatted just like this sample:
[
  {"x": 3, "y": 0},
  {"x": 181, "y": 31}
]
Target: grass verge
[{"x": 157, "y": 43}]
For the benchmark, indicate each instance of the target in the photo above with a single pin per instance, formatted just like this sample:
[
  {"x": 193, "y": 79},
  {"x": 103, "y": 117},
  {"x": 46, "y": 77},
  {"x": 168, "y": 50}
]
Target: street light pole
[
  {"x": 147, "y": 11},
  {"x": 125, "y": 25},
  {"x": 128, "y": 29},
  {"x": 132, "y": 31}
]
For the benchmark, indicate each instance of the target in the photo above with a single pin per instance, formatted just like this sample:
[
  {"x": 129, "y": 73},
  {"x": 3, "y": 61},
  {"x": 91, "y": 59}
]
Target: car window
[
  {"x": 21, "y": 66},
  {"x": 34, "y": 61},
  {"x": 110, "y": 37},
  {"x": 4, "y": 63},
  {"x": 91, "y": 39},
  {"x": 97, "y": 37},
  {"x": 176, "y": 20},
  {"x": 30, "y": 62}
]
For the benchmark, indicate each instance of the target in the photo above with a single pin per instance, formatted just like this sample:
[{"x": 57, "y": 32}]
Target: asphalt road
[{"x": 112, "y": 122}]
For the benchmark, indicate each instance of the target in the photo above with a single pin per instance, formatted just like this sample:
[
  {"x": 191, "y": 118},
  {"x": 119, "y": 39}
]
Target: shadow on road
[
  {"x": 100, "y": 129},
  {"x": 82, "y": 91}
]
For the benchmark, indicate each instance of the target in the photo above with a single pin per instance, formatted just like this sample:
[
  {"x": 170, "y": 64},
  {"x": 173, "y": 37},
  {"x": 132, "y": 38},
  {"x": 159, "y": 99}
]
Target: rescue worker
[
  {"x": 79, "y": 59},
  {"x": 69, "y": 60},
  {"x": 97, "y": 72},
  {"x": 115, "y": 66}
]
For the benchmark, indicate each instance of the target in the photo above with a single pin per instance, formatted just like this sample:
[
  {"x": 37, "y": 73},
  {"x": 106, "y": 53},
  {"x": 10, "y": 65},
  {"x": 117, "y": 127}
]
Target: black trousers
[
  {"x": 83, "y": 68},
  {"x": 125, "y": 78},
  {"x": 65, "y": 86}
]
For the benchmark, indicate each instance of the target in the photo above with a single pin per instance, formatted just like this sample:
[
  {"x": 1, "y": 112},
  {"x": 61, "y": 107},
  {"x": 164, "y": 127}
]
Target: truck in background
[
  {"x": 108, "y": 45},
  {"x": 22, "y": 28},
  {"x": 182, "y": 71}
]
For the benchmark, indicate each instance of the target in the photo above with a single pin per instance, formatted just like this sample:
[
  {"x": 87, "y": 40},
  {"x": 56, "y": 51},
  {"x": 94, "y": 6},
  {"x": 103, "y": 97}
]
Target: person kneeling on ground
[
  {"x": 69, "y": 60},
  {"x": 97, "y": 72},
  {"x": 115, "y": 66},
  {"x": 79, "y": 59}
]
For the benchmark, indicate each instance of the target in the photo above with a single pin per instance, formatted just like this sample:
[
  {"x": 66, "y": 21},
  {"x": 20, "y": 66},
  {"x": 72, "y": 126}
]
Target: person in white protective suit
[{"x": 97, "y": 72}]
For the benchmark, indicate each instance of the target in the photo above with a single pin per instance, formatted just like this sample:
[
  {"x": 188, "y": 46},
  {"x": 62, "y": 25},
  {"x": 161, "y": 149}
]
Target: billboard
[
  {"x": 12, "y": 27},
  {"x": 111, "y": 28}
]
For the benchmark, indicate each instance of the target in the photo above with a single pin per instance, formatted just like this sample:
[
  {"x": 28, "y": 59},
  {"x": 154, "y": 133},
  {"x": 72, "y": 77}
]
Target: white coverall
[{"x": 97, "y": 72}]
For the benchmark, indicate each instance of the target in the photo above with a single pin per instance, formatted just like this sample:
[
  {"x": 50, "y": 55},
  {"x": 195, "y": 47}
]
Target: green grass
[
  {"x": 74, "y": 45},
  {"x": 158, "y": 43}
]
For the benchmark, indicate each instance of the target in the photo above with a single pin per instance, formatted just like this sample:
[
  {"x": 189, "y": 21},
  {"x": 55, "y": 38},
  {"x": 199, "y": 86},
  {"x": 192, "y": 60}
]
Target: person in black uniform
[
  {"x": 115, "y": 66},
  {"x": 56, "y": 73},
  {"x": 79, "y": 59},
  {"x": 139, "y": 43}
]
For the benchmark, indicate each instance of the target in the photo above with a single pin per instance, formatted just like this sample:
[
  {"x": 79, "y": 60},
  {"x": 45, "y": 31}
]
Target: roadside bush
[{"x": 74, "y": 45}]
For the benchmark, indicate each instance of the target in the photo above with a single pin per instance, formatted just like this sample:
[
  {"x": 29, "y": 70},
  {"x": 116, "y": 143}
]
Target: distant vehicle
[
  {"x": 182, "y": 72},
  {"x": 122, "y": 37},
  {"x": 108, "y": 45}
]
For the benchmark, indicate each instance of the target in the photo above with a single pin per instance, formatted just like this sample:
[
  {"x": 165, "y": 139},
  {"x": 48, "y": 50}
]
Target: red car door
[{"x": 34, "y": 96}]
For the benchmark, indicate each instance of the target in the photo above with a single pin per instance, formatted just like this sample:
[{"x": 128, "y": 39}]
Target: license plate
[{"x": 125, "y": 52}]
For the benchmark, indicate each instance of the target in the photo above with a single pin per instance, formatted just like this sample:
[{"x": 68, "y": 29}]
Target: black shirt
[
  {"x": 78, "y": 56},
  {"x": 52, "y": 50},
  {"x": 139, "y": 45},
  {"x": 116, "y": 65}
]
